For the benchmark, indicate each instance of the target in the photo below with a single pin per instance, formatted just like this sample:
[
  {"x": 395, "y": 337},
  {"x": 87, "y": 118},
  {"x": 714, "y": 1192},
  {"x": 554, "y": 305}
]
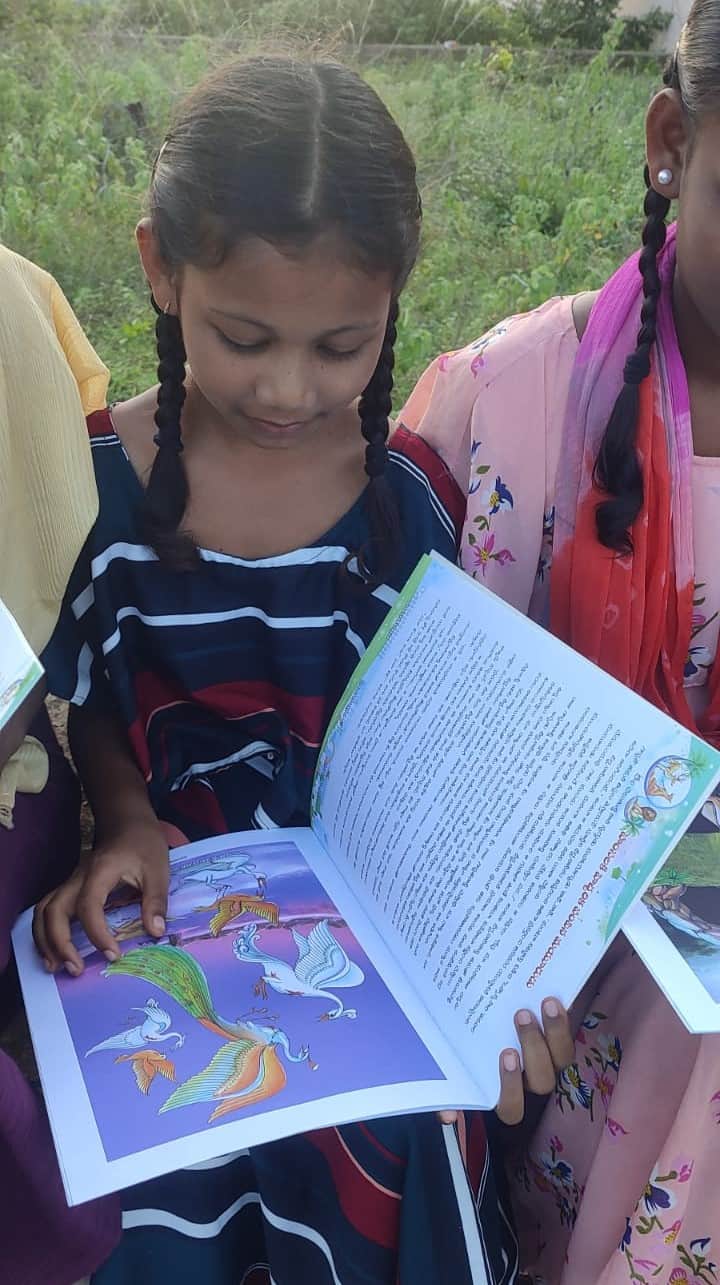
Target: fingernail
[
  {"x": 71, "y": 968},
  {"x": 111, "y": 956},
  {"x": 158, "y": 924},
  {"x": 510, "y": 1061},
  {"x": 50, "y": 968},
  {"x": 524, "y": 1017},
  {"x": 551, "y": 1008}
]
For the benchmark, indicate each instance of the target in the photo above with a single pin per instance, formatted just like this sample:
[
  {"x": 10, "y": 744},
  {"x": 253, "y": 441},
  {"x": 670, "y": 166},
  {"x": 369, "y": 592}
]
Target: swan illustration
[
  {"x": 153, "y": 1030},
  {"x": 146, "y": 1065},
  {"x": 321, "y": 963},
  {"x": 247, "y": 1068}
]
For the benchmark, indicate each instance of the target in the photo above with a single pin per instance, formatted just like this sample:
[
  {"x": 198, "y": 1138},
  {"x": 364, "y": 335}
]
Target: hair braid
[
  {"x": 374, "y": 409},
  {"x": 166, "y": 495},
  {"x": 617, "y": 468}
]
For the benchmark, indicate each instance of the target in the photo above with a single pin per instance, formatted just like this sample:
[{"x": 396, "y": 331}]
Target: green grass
[{"x": 532, "y": 182}]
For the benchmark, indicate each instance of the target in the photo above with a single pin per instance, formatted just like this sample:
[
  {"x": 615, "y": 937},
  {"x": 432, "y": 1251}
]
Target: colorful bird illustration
[
  {"x": 193, "y": 890},
  {"x": 146, "y": 1065},
  {"x": 153, "y": 1030},
  {"x": 247, "y": 1068},
  {"x": 321, "y": 963},
  {"x": 236, "y": 904}
]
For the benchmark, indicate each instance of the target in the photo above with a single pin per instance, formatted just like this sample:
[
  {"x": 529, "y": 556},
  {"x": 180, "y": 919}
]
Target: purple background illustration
[{"x": 378, "y": 1047}]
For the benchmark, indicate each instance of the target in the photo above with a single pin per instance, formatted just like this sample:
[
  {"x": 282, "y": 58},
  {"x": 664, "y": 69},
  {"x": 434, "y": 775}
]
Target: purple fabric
[{"x": 42, "y": 1242}]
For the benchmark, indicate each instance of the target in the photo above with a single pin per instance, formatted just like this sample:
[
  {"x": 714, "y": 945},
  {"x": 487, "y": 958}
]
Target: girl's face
[
  {"x": 278, "y": 343},
  {"x": 692, "y": 154},
  {"x": 699, "y": 224}
]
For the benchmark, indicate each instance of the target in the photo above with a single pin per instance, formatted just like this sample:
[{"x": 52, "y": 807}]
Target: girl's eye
[
  {"x": 340, "y": 354},
  {"x": 258, "y": 346}
]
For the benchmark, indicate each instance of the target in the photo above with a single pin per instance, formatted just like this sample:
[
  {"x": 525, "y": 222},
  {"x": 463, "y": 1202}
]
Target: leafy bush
[{"x": 532, "y": 184}]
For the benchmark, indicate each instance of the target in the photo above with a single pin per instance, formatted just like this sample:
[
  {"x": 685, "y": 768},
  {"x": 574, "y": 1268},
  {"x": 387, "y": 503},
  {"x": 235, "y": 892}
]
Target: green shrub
[{"x": 532, "y": 183}]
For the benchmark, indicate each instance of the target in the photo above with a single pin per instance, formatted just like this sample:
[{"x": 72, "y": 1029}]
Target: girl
[
  {"x": 606, "y": 530},
  {"x": 255, "y": 523},
  {"x": 49, "y": 376}
]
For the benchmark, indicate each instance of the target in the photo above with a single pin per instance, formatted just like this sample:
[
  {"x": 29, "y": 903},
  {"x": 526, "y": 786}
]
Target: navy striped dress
[{"x": 226, "y": 678}]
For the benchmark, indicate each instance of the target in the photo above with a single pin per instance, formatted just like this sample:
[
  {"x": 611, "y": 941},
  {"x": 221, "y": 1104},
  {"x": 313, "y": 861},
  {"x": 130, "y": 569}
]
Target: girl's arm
[{"x": 130, "y": 847}]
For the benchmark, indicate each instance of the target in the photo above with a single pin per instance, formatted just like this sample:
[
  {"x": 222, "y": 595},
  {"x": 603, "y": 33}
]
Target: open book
[
  {"x": 20, "y": 669},
  {"x": 486, "y": 809}
]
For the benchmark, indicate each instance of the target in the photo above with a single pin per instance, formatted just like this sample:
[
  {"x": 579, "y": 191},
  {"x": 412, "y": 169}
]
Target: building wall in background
[{"x": 678, "y": 8}]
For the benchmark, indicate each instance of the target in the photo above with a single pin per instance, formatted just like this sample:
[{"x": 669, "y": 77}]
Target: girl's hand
[
  {"x": 138, "y": 857},
  {"x": 545, "y": 1051}
]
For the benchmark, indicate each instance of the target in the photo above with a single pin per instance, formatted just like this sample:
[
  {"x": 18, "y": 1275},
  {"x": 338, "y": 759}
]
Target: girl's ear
[
  {"x": 667, "y": 140},
  {"x": 159, "y": 277}
]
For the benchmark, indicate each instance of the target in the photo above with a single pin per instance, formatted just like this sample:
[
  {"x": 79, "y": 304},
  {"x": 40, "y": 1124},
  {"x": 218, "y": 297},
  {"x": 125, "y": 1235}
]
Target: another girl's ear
[
  {"x": 667, "y": 139},
  {"x": 159, "y": 277}
]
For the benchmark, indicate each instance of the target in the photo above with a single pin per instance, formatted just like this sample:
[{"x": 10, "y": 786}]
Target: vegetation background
[{"x": 530, "y": 153}]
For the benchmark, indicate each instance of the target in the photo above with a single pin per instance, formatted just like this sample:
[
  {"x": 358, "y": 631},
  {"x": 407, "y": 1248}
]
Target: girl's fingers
[
  {"x": 448, "y": 1117},
  {"x": 40, "y": 937},
  {"x": 57, "y": 917},
  {"x": 558, "y": 1035},
  {"x": 511, "y": 1107},
  {"x": 537, "y": 1061},
  {"x": 91, "y": 910}
]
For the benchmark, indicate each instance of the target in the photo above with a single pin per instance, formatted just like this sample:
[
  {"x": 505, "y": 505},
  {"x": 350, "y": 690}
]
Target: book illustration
[
  {"x": 146, "y": 1065},
  {"x": 154, "y": 1030},
  {"x": 684, "y": 899},
  {"x": 321, "y": 962},
  {"x": 176, "y": 1036},
  {"x": 670, "y": 783},
  {"x": 225, "y": 889},
  {"x": 247, "y": 1068}
]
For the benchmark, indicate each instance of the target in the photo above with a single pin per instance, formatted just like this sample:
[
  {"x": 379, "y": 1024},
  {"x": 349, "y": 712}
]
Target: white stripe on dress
[
  {"x": 134, "y": 1218},
  {"x": 477, "y": 1257},
  {"x": 224, "y": 617},
  {"x": 412, "y": 468}
]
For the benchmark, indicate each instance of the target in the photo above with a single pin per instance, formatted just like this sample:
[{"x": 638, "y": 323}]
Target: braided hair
[
  {"x": 375, "y": 407},
  {"x": 284, "y": 150},
  {"x": 692, "y": 72},
  {"x": 166, "y": 494},
  {"x": 617, "y": 468}
]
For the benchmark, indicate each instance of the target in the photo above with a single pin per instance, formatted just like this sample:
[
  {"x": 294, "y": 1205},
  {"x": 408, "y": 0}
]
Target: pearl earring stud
[{"x": 665, "y": 177}]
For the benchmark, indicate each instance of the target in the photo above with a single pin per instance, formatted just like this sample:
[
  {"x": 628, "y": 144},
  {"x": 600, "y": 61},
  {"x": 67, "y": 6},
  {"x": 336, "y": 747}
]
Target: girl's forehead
[{"x": 261, "y": 281}]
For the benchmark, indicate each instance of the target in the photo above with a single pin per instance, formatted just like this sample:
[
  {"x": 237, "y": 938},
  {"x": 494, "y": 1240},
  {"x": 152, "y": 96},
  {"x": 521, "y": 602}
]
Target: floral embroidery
[
  {"x": 479, "y": 348},
  {"x": 486, "y": 553},
  {"x": 695, "y": 1264},
  {"x": 494, "y": 499},
  {"x": 615, "y": 1129},
  {"x": 572, "y": 1089},
  {"x": 700, "y": 658},
  {"x": 555, "y": 1176},
  {"x": 498, "y": 498}
]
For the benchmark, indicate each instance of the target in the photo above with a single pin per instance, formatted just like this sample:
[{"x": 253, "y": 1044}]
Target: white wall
[{"x": 678, "y": 8}]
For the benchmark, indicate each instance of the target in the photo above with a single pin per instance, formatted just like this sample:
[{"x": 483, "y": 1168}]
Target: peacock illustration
[
  {"x": 236, "y": 904},
  {"x": 247, "y": 1068},
  {"x": 321, "y": 963},
  {"x": 153, "y": 1030},
  {"x": 146, "y": 1065}
]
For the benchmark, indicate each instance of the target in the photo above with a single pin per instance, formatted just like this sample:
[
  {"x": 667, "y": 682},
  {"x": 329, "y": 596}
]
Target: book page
[
  {"x": 676, "y": 928},
  {"x": 498, "y": 804},
  {"x": 270, "y": 1007},
  {"x": 20, "y": 669}
]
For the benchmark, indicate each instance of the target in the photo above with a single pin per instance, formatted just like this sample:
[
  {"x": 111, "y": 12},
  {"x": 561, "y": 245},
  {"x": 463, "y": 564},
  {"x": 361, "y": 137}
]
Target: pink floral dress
[{"x": 621, "y": 1182}]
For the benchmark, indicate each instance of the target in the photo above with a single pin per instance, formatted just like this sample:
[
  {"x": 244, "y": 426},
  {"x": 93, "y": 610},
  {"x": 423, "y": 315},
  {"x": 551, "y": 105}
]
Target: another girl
[
  {"x": 255, "y": 524},
  {"x": 593, "y": 429},
  {"x": 49, "y": 378}
]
